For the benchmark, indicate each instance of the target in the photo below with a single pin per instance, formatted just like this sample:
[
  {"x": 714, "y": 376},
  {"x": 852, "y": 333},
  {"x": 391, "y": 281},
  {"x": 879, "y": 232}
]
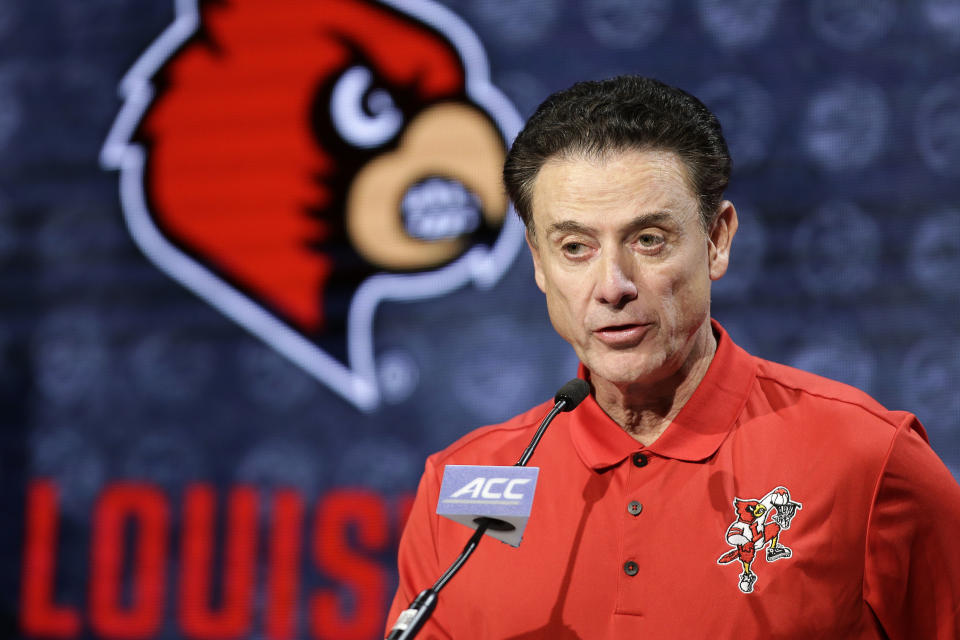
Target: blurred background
[{"x": 171, "y": 468}]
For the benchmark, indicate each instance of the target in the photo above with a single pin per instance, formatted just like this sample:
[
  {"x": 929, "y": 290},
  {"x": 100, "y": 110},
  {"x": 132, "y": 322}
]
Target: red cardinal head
[
  {"x": 294, "y": 150},
  {"x": 748, "y": 510}
]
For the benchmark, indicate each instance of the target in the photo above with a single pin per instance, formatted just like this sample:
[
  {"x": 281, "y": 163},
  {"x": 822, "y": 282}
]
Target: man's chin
[{"x": 626, "y": 369}]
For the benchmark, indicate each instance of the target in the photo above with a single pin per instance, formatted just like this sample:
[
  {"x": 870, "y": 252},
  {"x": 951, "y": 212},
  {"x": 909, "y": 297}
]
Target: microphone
[
  {"x": 500, "y": 496},
  {"x": 572, "y": 394},
  {"x": 567, "y": 398},
  {"x": 495, "y": 500}
]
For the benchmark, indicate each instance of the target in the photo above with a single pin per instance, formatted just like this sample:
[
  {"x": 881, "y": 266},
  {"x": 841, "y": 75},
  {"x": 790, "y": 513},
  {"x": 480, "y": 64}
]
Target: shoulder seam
[{"x": 882, "y": 415}]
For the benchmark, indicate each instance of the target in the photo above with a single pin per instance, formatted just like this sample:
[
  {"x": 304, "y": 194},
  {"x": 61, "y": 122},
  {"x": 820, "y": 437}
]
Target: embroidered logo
[{"x": 759, "y": 525}]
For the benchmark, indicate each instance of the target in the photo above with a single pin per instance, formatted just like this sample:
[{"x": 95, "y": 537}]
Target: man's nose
[{"x": 616, "y": 286}]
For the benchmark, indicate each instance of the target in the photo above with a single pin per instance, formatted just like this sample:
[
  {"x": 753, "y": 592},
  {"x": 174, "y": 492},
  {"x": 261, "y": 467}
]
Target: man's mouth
[{"x": 622, "y": 335}]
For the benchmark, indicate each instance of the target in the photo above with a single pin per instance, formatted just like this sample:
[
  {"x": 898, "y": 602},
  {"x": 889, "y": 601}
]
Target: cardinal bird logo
[
  {"x": 296, "y": 162},
  {"x": 760, "y": 524}
]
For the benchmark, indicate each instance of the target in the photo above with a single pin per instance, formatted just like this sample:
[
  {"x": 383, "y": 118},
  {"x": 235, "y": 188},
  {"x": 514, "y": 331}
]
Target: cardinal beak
[{"x": 415, "y": 207}]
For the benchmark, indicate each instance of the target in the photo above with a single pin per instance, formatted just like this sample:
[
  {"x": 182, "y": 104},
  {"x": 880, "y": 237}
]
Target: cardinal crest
[{"x": 296, "y": 163}]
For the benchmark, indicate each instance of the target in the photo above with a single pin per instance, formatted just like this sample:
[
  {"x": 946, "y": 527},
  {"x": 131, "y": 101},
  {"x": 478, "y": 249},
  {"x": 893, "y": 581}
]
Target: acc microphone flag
[{"x": 469, "y": 492}]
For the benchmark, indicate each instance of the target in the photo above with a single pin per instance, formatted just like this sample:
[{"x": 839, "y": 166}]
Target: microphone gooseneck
[
  {"x": 411, "y": 619},
  {"x": 567, "y": 399}
]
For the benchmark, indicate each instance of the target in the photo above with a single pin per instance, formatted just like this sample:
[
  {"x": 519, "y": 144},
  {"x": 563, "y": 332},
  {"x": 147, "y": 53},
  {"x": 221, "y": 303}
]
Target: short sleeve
[{"x": 912, "y": 567}]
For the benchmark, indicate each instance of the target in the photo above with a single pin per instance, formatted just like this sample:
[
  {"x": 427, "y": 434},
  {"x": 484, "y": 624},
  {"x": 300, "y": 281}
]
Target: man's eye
[
  {"x": 574, "y": 248},
  {"x": 650, "y": 240}
]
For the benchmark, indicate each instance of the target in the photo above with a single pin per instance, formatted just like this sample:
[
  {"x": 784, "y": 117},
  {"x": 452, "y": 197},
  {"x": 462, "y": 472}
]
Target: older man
[{"x": 699, "y": 491}]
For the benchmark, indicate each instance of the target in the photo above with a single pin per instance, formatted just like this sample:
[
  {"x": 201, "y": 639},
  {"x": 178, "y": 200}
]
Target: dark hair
[{"x": 626, "y": 112}]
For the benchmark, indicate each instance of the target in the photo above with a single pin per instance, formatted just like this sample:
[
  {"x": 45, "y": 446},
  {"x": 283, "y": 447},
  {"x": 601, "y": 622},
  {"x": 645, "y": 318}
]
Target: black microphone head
[{"x": 572, "y": 394}]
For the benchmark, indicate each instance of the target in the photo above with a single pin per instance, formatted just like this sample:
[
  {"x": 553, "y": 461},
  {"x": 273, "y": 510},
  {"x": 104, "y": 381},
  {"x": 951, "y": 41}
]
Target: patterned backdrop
[{"x": 167, "y": 473}]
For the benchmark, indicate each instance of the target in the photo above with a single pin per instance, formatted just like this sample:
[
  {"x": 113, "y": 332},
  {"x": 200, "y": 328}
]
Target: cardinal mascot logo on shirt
[
  {"x": 759, "y": 525},
  {"x": 297, "y": 162}
]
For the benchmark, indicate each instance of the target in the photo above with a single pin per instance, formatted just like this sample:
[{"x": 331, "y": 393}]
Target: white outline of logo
[{"x": 356, "y": 382}]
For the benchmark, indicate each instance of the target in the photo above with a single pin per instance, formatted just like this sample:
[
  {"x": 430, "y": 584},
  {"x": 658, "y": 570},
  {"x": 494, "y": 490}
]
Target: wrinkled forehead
[
  {"x": 628, "y": 181},
  {"x": 666, "y": 158}
]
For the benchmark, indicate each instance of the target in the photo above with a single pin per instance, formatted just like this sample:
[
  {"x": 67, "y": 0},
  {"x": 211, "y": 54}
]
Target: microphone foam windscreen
[{"x": 573, "y": 393}]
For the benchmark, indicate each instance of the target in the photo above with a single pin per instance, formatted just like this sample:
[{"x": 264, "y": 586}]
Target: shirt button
[
  {"x": 634, "y": 508},
  {"x": 631, "y": 568},
  {"x": 639, "y": 460}
]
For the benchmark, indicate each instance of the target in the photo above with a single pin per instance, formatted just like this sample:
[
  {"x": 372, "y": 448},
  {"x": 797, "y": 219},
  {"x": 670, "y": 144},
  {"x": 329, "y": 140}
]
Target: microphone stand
[{"x": 411, "y": 619}]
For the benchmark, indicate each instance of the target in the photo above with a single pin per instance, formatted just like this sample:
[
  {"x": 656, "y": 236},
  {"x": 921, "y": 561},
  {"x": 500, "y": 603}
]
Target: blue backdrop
[{"x": 125, "y": 395}]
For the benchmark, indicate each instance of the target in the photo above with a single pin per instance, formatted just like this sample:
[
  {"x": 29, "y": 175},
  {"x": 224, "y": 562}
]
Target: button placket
[{"x": 635, "y": 531}]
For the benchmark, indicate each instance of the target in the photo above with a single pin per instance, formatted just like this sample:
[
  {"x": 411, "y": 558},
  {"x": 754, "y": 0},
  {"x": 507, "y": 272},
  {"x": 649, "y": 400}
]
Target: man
[{"x": 699, "y": 491}]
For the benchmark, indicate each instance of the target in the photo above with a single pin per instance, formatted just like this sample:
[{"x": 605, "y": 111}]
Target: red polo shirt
[{"x": 627, "y": 541}]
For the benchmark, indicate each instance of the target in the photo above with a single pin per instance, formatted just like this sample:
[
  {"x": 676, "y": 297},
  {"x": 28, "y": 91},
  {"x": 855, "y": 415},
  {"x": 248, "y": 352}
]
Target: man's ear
[
  {"x": 721, "y": 239},
  {"x": 535, "y": 254}
]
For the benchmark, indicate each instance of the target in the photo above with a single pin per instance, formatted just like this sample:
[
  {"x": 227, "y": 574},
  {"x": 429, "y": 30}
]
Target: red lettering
[
  {"x": 129, "y": 558},
  {"x": 39, "y": 614},
  {"x": 284, "y": 566},
  {"x": 146, "y": 508},
  {"x": 197, "y": 618},
  {"x": 366, "y": 514}
]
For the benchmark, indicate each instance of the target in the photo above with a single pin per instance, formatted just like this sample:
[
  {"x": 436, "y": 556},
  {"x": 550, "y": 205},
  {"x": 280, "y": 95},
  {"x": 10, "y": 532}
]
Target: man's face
[{"x": 624, "y": 261}]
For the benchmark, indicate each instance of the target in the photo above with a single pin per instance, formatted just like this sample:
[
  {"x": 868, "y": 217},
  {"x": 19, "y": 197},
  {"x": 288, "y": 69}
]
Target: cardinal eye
[{"x": 362, "y": 117}]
